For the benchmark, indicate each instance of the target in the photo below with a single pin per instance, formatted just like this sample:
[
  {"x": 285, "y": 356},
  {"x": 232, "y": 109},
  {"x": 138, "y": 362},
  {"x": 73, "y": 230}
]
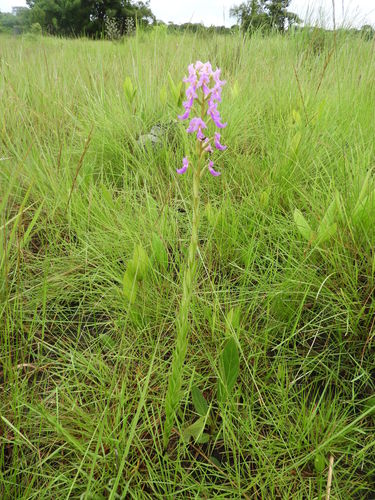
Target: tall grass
[{"x": 84, "y": 372}]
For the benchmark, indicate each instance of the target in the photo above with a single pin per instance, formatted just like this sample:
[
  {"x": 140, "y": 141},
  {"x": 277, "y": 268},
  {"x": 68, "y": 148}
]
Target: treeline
[
  {"x": 113, "y": 19},
  {"x": 77, "y": 17},
  {"x": 65, "y": 19}
]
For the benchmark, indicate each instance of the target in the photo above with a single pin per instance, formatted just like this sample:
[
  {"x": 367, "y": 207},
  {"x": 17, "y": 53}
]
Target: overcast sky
[{"x": 352, "y": 12}]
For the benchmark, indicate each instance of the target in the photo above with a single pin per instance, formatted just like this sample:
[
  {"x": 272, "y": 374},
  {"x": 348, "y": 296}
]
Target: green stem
[{"x": 173, "y": 395}]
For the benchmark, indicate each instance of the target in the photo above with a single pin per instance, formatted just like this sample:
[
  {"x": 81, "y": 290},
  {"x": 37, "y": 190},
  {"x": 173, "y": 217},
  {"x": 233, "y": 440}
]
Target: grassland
[{"x": 84, "y": 373}]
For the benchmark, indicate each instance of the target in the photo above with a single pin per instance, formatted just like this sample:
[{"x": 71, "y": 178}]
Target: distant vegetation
[
  {"x": 115, "y": 19},
  {"x": 265, "y": 15},
  {"x": 77, "y": 18}
]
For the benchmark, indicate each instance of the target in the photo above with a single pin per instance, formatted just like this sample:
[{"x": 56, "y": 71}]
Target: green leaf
[
  {"x": 264, "y": 197},
  {"x": 233, "y": 319},
  {"x": 176, "y": 90},
  {"x": 326, "y": 235},
  {"x": 130, "y": 286},
  {"x": 230, "y": 365},
  {"x": 194, "y": 430},
  {"x": 203, "y": 438},
  {"x": 215, "y": 461},
  {"x": 107, "y": 196},
  {"x": 235, "y": 90},
  {"x": 221, "y": 392},
  {"x": 370, "y": 405},
  {"x": 361, "y": 204},
  {"x": 199, "y": 401},
  {"x": 302, "y": 225},
  {"x": 129, "y": 90},
  {"x": 31, "y": 226},
  {"x": 297, "y": 117},
  {"x": 106, "y": 341},
  {"x": 319, "y": 463},
  {"x": 365, "y": 188},
  {"x": 159, "y": 252},
  {"x": 295, "y": 142},
  {"x": 328, "y": 218},
  {"x": 171, "y": 83},
  {"x": 139, "y": 264}
]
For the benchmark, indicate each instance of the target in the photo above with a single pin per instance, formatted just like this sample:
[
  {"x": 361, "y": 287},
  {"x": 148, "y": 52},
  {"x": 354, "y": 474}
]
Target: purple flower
[
  {"x": 185, "y": 115},
  {"x": 215, "y": 116},
  {"x": 211, "y": 169},
  {"x": 187, "y": 105},
  {"x": 192, "y": 78},
  {"x": 207, "y": 146},
  {"x": 200, "y": 135},
  {"x": 219, "y": 146},
  {"x": 215, "y": 95},
  {"x": 185, "y": 164},
  {"x": 216, "y": 77},
  {"x": 206, "y": 90},
  {"x": 205, "y": 87},
  {"x": 196, "y": 124},
  {"x": 191, "y": 92}
]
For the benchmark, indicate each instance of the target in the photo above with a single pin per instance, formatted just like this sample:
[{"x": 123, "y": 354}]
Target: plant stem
[{"x": 173, "y": 395}]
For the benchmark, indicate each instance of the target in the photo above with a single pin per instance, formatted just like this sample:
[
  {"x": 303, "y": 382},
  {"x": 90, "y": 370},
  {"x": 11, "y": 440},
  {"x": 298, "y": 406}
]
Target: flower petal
[
  {"x": 211, "y": 169},
  {"x": 200, "y": 135},
  {"x": 185, "y": 115},
  {"x": 185, "y": 164},
  {"x": 218, "y": 145}
]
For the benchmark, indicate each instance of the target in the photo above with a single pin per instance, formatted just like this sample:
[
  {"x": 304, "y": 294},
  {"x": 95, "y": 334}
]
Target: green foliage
[
  {"x": 229, "y": 369},
  {"x": 36, "y": 29},
  {"x": 367, "y": 32},
  {"x": 199, "y": 401},
  {"x": 129, "y": 90},
  {"x": 327, "y": 228},
  {"x": 195, "y": 431},
  {"x": 14, "y": 24},
  {"x": 177, "y": 90},
  {"x": 130, "y": 286},
  {"x": 136, "y": 271},
  {"x": 88, "y": 17},
  {"x": 303, "y": 226},
  {"x": 319, "y": 463},
  {"x": 159, "y": 252},
  {"x": 264, "y": 15}
]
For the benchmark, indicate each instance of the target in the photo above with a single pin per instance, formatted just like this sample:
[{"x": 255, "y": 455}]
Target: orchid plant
[{"x": 203, "y": 93}]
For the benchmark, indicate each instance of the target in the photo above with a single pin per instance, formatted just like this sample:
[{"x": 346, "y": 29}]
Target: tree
[
  {"x": 251, "y": 15},
  {"x": 10, "y": 23},
  {"x": 280, "y": 16},
  {"x": 367, "y": 32},
  {"x": 264, "y": 14},
  {"x": 86, "y": 17}
]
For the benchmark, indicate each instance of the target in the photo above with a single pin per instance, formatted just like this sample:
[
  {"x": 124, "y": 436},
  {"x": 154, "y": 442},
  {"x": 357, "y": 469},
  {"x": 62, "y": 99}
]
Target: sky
[{"x": 351, "y": 12}]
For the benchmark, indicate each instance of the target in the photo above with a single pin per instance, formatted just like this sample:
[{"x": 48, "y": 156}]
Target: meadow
[{"x": 286, "y": 268}]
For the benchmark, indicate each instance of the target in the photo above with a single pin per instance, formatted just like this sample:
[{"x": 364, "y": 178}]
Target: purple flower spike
[
  {"x": 203, "y": 95},
  {"x": 211, "y": 169},
  {"x": 219, "y": 146},
  {"x": 185, "y": 164}
]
